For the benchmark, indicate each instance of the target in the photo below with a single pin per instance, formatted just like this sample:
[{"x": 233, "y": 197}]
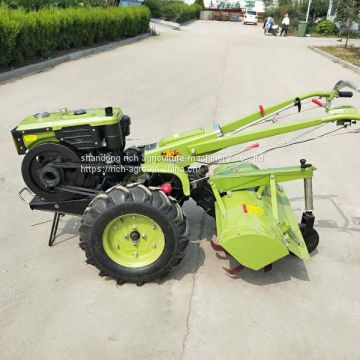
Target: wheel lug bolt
[
  {"x": 136, "y": 254},
  {"x": 117, "y": 246},
  {"x": 143, "y": 235},
  {"x": 153, "y": 226},
  {"x": 134, "y": 228},
  {"x": 126, "y": 236},
  {"x": 154, "y": 245}
]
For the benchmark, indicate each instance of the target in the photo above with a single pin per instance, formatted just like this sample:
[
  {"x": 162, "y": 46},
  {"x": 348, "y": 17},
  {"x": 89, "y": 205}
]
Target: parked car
[{"x": 250, "y": 17}]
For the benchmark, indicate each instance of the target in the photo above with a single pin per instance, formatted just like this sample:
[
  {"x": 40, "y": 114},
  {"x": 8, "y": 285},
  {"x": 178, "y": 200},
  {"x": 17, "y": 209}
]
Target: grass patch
[{"x": 350, "y": 54}]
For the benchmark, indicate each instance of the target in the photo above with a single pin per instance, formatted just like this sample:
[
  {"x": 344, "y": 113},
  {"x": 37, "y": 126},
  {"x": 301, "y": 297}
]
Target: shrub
[
  {"x": 201, "y": 3},
  {"x": 173, "y": 10},
  {"x": 190, "y": 12},
  {"x": 154, "y": 7},
  {"x": 24, "y": 36},
  {"x": 180, "y": 12},
  {"x": 36, "y": 5},
  {"x": 326, "y": 27}
]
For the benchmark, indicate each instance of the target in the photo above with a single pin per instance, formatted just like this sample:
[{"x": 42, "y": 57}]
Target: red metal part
[
  {"x": 216, "y": 247},
  {"x": 262, "y": 111},
  {"x": 252, "y": 146},
  {"x": 317, "y": 102},
  {"x": 235, "y": 270},
  {"x": 166, "y": 188}
]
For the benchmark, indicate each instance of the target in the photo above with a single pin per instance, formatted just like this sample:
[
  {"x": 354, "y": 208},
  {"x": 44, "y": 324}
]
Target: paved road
[{"x": 55, "y": 307}]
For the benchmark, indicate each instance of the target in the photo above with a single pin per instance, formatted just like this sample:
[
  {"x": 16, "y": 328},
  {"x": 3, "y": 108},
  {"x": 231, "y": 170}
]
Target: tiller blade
[
  {"x": 218, "y": 247},
  {"x": 235, "y": 270}
]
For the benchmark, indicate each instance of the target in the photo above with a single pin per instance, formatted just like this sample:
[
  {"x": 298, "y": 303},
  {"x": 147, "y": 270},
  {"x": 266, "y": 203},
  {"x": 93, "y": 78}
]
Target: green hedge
[
  {"x": 36, "y": 5},
  {"x": 326, "y": 27},
  {"x": 24, "y": 36},
  {"x": 173, "y": 10},
  {"x": 180, "y": 12}
]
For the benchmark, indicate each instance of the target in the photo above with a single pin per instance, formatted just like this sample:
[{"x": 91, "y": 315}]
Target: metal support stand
[
  {"x": 54, "y": 227},
  {"x": 308, "y": 218},
  {"x": 59, "y": 208}
]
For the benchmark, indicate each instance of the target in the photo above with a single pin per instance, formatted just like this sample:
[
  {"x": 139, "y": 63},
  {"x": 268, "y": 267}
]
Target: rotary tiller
[{"x": 133, "y": 228}]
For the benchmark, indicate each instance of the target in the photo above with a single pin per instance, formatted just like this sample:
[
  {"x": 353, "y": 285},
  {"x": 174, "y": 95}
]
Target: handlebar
[{"x": 344, "y": 83}]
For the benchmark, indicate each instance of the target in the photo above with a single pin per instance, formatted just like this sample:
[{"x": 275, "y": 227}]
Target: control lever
[{"x": 344, "y": 83}]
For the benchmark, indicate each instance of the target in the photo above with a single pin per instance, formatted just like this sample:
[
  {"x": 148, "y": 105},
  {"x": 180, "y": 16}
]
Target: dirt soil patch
[{"x": 350, "y": 54}]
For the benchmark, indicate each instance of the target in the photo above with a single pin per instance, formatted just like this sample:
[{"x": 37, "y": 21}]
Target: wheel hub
[{"x": 133, "y": 240}]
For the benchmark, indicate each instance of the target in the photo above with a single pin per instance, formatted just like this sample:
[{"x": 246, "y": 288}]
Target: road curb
[
  {"x": 336, "y": 59},
  {"x": 48, "y": 64},
  {"x": 170, "y": 24},
  {"x": 188, "y": 22}
]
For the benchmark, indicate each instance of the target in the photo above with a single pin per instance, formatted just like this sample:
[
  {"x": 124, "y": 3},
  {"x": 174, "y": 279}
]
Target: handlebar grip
[
  {"x": 317, "y": 102},
  {"x": 347, "y": 94}
]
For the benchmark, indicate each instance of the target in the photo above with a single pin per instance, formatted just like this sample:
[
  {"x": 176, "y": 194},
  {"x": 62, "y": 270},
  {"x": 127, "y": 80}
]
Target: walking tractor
[{"x": 133, "y": 228}]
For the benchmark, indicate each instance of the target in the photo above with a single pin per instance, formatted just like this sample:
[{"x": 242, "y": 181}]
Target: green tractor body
[{"x": 133, "y": 228}]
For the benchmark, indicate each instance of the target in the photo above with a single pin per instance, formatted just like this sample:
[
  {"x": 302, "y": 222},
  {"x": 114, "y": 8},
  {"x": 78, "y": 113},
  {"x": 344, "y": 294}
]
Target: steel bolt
[{"x": 154, "y": 245}]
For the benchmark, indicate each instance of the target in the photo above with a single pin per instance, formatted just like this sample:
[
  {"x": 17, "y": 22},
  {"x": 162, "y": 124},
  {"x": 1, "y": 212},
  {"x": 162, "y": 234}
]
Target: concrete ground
[{"x": 53, "y": 306}]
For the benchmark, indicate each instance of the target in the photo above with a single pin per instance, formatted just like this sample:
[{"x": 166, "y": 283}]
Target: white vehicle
[{"x": 250, "y": 17}]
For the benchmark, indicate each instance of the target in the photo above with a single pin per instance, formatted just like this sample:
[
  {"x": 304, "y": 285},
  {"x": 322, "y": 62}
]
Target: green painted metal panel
[
  {"x": 289, "y": 224},
  {"x": 253, "y": 238},
  {"x": 57, "y": 120},
  {"x": 249, "y": 231}
]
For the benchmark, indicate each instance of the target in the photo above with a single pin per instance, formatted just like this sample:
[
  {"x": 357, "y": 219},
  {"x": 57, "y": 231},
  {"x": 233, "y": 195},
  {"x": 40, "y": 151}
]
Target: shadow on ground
[
  {"x": 202, "y": 230},
  {"x": 330, "y": 223}
]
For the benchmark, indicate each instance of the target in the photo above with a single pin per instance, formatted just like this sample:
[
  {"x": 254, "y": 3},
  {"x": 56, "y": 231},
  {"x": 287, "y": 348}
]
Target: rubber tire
[
  {"x": 311, "y": 239},
  {"x": 120, "y": 200}
]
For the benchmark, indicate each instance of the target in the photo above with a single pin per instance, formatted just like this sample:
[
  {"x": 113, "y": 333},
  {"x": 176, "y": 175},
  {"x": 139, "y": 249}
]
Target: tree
[
  {"x": 296, "y": 9},
  {"x": 200, "y": 2},
  {"x": 348, "y": 13},
  {"x": 318, "y": 9}
]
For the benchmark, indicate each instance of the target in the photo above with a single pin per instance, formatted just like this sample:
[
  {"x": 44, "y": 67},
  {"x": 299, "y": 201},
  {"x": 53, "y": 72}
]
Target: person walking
[{"x": 285, "y": 25}]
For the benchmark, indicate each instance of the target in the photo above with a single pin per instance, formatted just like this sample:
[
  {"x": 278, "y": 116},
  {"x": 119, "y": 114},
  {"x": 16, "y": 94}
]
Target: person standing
[{"x": 285, "y": 25}]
